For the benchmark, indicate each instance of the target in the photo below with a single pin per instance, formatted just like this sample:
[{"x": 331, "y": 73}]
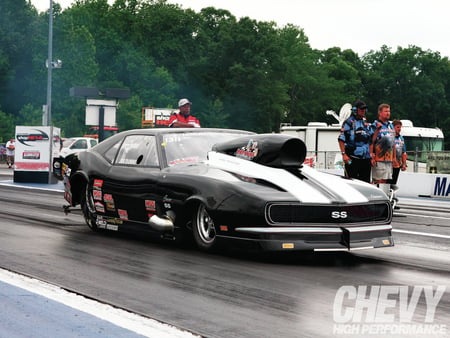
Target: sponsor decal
[
  {"x": 97, "y": 194},
  {"x": 150, "y": 205},
  {"x": 248, "y": 152},
  {"x": 110, "y": 207},
  {"x": 441, "y": 186},
  {"x": 123, "y": 214},
  {"x": 387, "y": 310},
  {"x": 105, "y": 223},
  {"x": 100, "y": 222},
  {"x": 36, "y": 135},
  {"x": 31, "y": 155},
  {"x": 99, "y": 207},
  {"x": 192, "y": 159},
  {"x": 115, "y": 221},
  {"x": 108, "y": 198},
  {"x": 98, "y": 184},
  {"x": 310, "y": 161},
  {"x": 112, "y": 227}
]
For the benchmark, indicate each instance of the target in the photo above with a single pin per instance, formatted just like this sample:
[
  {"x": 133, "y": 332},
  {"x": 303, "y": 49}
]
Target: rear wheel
[
  {"x": 203, "y": 229},
  {"x": 87, "y": 207}
]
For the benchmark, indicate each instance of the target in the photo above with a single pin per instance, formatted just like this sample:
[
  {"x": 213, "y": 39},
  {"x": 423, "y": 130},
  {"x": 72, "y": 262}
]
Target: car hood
[{"x": 304, "y": 184}]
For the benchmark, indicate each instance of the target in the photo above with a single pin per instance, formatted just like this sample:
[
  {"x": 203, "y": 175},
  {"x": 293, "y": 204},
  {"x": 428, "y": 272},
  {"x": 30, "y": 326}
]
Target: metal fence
[{"x": 418, "y": 161}]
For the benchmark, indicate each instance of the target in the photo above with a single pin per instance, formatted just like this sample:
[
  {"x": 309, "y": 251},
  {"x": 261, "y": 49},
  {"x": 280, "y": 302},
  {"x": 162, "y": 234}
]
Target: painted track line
[{"x": 139, "y": 324}]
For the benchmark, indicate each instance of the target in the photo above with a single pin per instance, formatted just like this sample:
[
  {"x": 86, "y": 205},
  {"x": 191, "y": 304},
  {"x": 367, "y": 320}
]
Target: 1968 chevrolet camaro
[{"x": 220, "y": 184}]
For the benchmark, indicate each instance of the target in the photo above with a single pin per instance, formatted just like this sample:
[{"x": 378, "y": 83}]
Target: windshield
[
  {"x": 192, "y": 147},
  {"x": 67, "y": 142}
]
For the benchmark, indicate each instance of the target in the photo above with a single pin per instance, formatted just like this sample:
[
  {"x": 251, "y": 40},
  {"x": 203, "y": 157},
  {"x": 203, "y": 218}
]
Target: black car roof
[{"x": 110, "y": 141}]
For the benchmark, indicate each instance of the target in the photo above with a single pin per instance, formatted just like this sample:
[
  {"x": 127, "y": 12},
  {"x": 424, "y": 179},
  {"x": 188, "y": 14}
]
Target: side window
[
  {"x": 138, "y": 150},
  {"x": 93, "y": 142},
  {"x": 110, "y": 154}
]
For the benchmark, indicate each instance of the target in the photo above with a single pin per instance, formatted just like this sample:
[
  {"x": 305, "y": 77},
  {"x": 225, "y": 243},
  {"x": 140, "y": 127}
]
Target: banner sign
[
  {"x": 33, "y": 148},
  {"x": 438, "y": 162},
  {"x": 441, "y": 187},
  {"x": 157, "y": 116}
]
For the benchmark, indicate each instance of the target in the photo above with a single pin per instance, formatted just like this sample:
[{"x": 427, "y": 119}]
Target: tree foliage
[{"x": 239, "y": 73}]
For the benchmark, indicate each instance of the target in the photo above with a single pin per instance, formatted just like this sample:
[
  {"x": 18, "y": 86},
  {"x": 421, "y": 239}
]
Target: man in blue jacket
[{"x": 354, "y": 141}]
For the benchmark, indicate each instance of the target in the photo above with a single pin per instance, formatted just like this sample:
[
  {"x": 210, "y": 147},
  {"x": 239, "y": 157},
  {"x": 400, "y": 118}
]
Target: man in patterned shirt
[
  {"x": 400, "y": 152},
  {"x": 383, "y": 145}
]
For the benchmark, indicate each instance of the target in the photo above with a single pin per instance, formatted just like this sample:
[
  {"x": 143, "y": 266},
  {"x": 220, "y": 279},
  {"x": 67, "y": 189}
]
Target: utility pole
[
  {"x": 49, "y": 64},
  {"x": 49, "y": 89}
]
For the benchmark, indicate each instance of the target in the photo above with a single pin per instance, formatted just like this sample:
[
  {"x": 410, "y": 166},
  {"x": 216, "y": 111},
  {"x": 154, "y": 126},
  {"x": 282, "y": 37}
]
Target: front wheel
[
  {"x": 87, "y": 207},
  {"x": 204, "y": 230}
]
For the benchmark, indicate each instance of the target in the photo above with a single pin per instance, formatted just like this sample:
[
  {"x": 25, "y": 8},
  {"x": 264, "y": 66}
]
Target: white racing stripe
[
  {"x": 128, "y": 320},
  {"x": 280, "y": 177},
  {"x": 339, "y": 186},
  {"x": 420, "y": 233},
  {"x": 301, "y": 190}
]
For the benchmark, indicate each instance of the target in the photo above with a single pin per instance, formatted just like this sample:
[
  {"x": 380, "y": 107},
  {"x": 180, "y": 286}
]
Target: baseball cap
[
  {"x": 360, "y": 104},
  {"x": 182, "y": 102}
]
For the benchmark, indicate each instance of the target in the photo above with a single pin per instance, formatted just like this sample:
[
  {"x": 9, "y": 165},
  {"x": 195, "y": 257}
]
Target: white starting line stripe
[
  {"x": 421, "y": 233},
  {"x": 128, "y": 320}
]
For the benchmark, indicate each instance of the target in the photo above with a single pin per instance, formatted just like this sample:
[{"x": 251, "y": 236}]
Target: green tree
[
  {"x": 7, "y": 127},
  {"x": 129, "y": 113},
  {"x": 413, "y": 81},
  {"x": 15, "y": 40},
  {"x": 311, "y": 91}
]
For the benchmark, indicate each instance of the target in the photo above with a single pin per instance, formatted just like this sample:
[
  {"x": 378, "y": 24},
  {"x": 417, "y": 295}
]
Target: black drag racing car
[{"x": 223, "y": 184}]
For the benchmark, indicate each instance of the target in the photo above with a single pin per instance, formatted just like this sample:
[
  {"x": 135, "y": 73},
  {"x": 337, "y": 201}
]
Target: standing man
[
  {"x": 400, "y": 152},
  {"x": 383, "y": 145},
  {"x": 354, "y": 141},
  {"x": 10, "y": 149},
  {"x": 183, "y": 119}
]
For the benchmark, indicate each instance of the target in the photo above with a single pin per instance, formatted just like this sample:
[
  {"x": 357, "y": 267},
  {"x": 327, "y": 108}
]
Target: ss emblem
[{"x": 339, "y": 214}]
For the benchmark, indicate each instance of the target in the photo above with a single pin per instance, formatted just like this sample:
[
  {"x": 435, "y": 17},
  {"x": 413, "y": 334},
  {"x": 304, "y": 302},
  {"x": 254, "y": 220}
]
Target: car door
[{"x": 128, "y": 189}]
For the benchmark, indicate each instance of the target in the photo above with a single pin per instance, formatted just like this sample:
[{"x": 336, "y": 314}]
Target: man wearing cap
[
  {"x": 183, "y": 119},
  {"x": 355, "y": 141}
]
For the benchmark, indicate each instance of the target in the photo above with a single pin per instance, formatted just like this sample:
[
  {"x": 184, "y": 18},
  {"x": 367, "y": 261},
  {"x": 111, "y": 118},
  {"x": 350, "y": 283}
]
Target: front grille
[{"x": 295, "y": 213}]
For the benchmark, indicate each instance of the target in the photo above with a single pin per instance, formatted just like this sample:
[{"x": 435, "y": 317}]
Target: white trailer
[{"x": 321, "y": 142}]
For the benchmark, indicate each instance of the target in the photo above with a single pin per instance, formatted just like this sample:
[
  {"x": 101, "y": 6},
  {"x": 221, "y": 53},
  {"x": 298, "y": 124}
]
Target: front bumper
[{"x": 316, "y": 238}]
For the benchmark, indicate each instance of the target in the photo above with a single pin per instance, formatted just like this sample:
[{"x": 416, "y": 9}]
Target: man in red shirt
[{"x": 183, "y": 119}]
